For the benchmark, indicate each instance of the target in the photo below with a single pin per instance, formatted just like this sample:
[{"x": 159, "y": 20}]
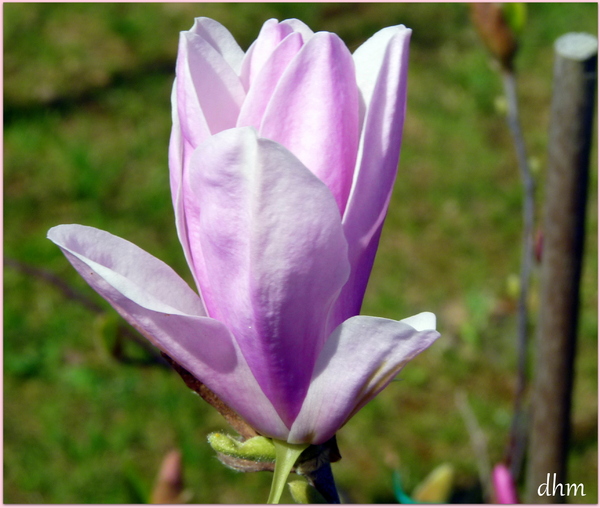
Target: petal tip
[
  {"x": 56, "y": 233},
  {"x": 421, "y": 322}
]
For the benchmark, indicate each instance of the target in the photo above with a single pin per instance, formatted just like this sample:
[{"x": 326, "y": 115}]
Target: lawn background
[{"x": 86, "y": 129}]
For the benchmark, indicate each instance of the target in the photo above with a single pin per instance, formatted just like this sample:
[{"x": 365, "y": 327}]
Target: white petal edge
[{"x": 422, "y": 321}]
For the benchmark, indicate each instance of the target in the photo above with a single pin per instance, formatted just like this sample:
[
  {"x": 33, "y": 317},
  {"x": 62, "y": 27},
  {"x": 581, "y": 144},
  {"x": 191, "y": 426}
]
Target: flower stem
[{"x": 286, "y": 455}]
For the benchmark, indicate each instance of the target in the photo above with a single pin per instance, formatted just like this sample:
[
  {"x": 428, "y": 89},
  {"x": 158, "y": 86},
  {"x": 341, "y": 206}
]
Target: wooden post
[{"x": 564, "y": 217}]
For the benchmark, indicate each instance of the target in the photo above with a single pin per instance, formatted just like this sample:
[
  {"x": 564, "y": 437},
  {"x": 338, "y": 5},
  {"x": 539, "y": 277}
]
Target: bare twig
[
  {"x": 478, "y": 442},
  {"x": 66, "y": 289},
  {"x": 69, "y": 292},
  {"x": 517, "y": 440},
  {"x": 500, "y": 38}
]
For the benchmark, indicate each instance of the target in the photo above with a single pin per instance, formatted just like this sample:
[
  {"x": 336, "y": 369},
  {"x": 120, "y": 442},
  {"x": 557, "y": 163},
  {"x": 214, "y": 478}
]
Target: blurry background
[{"x": 88, "y": 417}]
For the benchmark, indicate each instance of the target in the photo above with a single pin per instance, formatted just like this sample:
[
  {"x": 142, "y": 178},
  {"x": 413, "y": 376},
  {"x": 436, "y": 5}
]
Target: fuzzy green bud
[{"x": 257, "y": 449}]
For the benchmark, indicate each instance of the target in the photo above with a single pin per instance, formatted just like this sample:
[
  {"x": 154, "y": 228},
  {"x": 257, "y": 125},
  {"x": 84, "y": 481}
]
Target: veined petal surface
[
  {"x": 359, "y": 359},
  {"x": 159, "y": 304},
  {"x": 314, "y": 111},
  {"x": 273, "y": 252}
]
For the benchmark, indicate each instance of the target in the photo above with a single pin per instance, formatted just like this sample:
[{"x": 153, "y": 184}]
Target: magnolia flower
[{"x": 282, "y": 163}]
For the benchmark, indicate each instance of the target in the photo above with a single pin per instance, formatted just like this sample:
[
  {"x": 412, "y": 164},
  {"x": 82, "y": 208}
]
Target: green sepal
[
  {"x": 256, "y": 449},
  {"x": 286, "y": 456},
  {"x": 304, "y": 493}
]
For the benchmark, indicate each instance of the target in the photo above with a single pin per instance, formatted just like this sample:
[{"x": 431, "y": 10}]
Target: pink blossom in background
[{"x": 505, "y": 491}]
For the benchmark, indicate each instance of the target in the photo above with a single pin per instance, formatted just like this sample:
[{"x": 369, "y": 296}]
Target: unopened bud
[
  {"x": 259, "y": 448},
  {"x": 168, "y": 488},
  {"x": 436, "y": 487},
  {"x": 495, "y": 32},
  {"x": 505, "y": 491}
]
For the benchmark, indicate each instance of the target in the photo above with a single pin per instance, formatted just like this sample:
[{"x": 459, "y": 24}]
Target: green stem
[{"x": 286, "y": 455}]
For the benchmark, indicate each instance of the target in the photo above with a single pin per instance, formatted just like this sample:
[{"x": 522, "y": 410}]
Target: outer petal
[
  {"x": 381, "y": 70},
  {"x": 358, "y": 360},
  {"x": 156, "y": 301},
  {"x": 314, "y": 112},
  {"x": 221, "y": 39},
  {"x": 270, "y": 237},
  {"x": 209, "y": 92},
  {"x": 179, "y": 153}
]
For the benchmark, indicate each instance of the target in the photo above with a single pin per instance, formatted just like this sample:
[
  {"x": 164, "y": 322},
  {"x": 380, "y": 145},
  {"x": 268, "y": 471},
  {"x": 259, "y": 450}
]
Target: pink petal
[
  {"x": 273, "y": 252},
  {"x": 314, "y": 112},
  {"x": 359, "y": 359},
  {"x": 381, "y": 70},
  {"x": 206, "y": 98},
  {"x": 271, "y": 35},
  {"x": 221, "y": 40},
  {"x": 180, "y": 151},
  {"x": 176, "y": 147},
  {"x": 209, "y": 92},
  {"x": 161, "y": 306},
  {"x": 264, "y": 82},
  {"x": 299, "y": 27}
]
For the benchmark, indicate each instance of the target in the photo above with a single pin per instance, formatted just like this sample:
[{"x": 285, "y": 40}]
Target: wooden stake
[{"x": 564, "y": 218}]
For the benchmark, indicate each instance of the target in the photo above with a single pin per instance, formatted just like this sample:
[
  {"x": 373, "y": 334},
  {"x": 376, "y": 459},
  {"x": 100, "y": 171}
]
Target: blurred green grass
[{"x": 86, "y": 129}]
